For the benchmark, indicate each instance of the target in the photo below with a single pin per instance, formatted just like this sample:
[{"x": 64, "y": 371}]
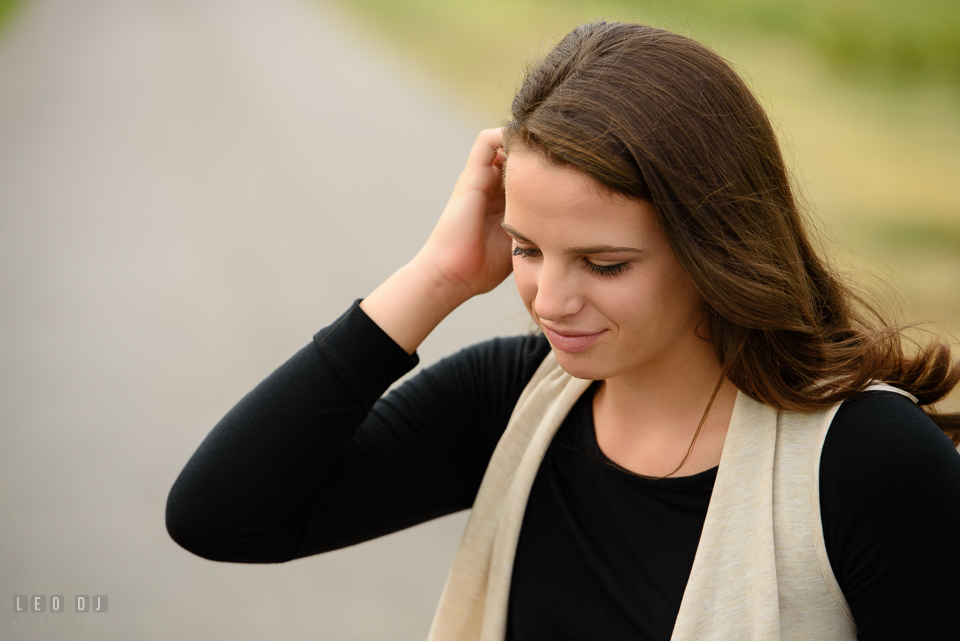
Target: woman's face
[{"x": 598, "y": 276}]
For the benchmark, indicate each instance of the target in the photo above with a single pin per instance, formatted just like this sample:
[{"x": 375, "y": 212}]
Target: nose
[{"x": 558, "y": 294}]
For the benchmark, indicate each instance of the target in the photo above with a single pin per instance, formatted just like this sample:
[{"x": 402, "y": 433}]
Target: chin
[{"x": 580, "y": 365}]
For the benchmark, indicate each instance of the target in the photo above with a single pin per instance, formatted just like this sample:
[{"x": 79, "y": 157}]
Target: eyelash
[{"x": 599, "y": 270}]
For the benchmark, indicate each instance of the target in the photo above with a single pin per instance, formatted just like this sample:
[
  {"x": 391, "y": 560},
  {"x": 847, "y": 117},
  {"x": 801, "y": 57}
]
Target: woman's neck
[{"x": 645, "y": 421}]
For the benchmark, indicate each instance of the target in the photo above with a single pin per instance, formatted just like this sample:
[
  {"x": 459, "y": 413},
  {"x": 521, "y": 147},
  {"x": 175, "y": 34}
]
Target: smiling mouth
[{"x": 572, "y": 341}]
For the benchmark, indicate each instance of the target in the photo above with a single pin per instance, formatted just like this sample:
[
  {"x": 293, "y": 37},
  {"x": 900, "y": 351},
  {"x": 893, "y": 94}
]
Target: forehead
[
  {"x": 543, "y": 198},
  {"x": 531, "y": 171}
]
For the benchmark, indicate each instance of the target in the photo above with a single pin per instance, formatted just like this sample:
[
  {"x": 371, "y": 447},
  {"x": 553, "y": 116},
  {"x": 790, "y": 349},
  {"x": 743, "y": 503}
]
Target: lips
[{"x": 571, "y": 341}]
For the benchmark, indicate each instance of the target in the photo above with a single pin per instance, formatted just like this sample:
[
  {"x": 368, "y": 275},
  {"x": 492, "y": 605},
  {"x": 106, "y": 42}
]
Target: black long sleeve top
[{"x": 313, "y": 459}]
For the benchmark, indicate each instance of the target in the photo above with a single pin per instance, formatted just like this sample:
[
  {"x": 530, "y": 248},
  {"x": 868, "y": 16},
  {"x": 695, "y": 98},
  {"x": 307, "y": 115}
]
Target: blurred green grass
[
  {"x": 894, "y": 39},
  {"x": 7, "y": 8},
  {"x": 888, "y": 36},
  {"x": 865, "y": 95}
]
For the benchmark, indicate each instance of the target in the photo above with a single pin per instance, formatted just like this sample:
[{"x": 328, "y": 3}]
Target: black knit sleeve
[
  {"x": 313, "y": 459},
  {"x": 890, "y": 501}
]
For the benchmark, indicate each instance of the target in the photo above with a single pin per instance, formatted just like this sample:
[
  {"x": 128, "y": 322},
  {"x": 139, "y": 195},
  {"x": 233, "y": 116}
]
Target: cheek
[
  {"x": 682, "y": 305},
  {"x": 525, "y": 275},
  {"x": 624, "y": 302},
  {"x": 641, "y": 298}
]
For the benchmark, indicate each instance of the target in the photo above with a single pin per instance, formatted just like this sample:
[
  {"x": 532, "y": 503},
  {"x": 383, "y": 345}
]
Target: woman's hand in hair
[
  {"x": 468, "y": 248},
  {"x": 467, "y": 254}
]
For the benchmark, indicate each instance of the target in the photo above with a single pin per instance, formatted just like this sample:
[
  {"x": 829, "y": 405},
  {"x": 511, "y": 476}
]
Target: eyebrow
[{"x": 593, "y": 249}]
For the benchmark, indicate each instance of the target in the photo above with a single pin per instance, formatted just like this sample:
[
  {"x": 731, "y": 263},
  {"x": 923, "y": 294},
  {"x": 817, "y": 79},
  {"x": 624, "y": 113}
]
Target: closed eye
[
  {"x": 607, "y": 270},
  {"x": 599, "y": 270},
  {"x": 525, "y": 252}
]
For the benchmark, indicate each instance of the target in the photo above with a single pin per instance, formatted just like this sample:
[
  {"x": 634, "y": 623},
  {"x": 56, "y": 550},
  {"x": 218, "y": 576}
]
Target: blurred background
[{"x": 189, "y": 190}]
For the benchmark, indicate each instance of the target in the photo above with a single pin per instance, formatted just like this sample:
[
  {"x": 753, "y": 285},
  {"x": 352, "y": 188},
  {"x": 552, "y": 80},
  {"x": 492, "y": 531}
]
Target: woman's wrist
[{"x": 412, "y": 302}]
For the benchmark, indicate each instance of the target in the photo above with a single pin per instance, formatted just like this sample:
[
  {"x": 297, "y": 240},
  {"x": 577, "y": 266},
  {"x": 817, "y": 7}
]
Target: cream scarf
[{"x": 761, "y": 569}]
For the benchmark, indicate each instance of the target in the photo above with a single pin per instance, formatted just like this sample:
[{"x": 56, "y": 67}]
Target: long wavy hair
[{"x": 657, "y": 116}]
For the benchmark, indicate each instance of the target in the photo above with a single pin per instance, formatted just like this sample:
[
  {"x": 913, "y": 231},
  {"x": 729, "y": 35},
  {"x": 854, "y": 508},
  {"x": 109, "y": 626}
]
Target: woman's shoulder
[
  {"x": 476, "y": 387},
  {"x": 505, "y": 364},
  {"x": 884, "y": 460},
  {"x": 522, "y": 353},
  {"x": 890, "y": 499},
  {"x": 887, "y": 431}
]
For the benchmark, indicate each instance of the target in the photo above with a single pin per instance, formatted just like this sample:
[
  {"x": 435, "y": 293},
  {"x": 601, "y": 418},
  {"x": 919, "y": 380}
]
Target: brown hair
[{"x": 659, "y": 117}]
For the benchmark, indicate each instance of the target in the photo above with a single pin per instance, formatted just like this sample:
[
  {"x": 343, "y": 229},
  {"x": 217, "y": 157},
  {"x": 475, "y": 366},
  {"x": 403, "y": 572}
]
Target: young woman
[{"x": 708, "y": 440}]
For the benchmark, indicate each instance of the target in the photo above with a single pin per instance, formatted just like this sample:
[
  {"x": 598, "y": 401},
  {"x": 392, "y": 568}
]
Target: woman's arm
[
  {"x": 303, "y": 464},
  {"x": 244, "y": 495},
  {"x": 890, "y": 500},
  {"x": 306, "y": 462}
]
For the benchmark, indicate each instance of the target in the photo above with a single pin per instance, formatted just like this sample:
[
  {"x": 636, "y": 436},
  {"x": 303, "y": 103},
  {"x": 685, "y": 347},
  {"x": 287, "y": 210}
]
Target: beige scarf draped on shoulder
[{"x": 761, "y": 569}]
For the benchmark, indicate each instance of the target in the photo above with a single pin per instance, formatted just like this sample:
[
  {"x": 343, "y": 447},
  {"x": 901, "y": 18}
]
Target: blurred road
[{"x": 188, "y": 191}]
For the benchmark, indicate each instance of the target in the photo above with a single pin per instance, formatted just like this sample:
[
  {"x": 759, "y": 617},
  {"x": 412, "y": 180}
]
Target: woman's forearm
[
  {"x": 245, "y": 495},
  {"x": 411, "y": 303}
]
